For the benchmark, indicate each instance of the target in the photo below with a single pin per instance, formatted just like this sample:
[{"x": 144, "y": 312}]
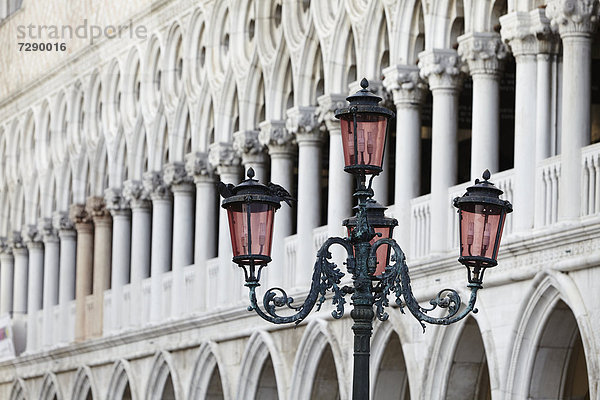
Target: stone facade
[{"x": 115, "y": 256}]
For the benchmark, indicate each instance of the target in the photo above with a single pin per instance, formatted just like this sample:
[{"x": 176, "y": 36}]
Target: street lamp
[{"x": 376, "y": 262}]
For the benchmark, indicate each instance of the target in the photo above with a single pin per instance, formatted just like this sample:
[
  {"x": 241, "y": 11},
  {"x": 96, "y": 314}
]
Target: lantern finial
[
  {"x": 364, "y": 83},
  {"x": 486, "y": 175},
  {"x": 250, "y": 174}
]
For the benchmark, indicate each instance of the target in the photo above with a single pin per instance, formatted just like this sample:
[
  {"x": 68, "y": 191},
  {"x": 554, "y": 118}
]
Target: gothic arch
[
  {"x": 162, "y": 369},
  {"x": 152, "y": 65},
  {"x": 259, "y": 348},
  {"x": 112, "y": 98},
  {"x": 121, "y": 377},
  {"x": 58, "y": 129},
  {"x": 94, "y": 110},
  {"x": 207, "y": 363},
  {"x": 375, "y": 53},
  {"x": 77, "y": 118},
  {"x": 340, "y": 66},
  {"x": 18, "y": 391},
  {"x": 174, "y": 66},
  {"x": 180, "y": 133},
  {"x": 547, "y": 290},
  {"x": 314, "y": 342},
  {"x": 50, "y": 389},
  {"x": 84, "y": 385},
  {"x": 131, "y": 84},
  {"x": 196, "y": 56}
]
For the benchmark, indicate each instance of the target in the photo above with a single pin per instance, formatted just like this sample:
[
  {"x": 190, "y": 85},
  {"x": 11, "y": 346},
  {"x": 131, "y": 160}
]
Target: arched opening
[
  {"x": 215, "y": 387},
  {"x": 267, "y": 384},
  {"x": 392, "y": 378},
  {"x": 469, "y": 378},
  {"x": 127, "y": 393},
  {"x": 325, "y": 385},
  {"x": 559, "y": 368},
  {"x": 168, "y": 392}
]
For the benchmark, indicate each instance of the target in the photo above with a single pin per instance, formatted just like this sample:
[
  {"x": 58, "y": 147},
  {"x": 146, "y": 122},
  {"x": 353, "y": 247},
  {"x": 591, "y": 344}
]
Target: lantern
[
  {"x": 364, "y": 127},
  {"x": 250, "y": 210},
  {"x": 481, "y": 219},
  {"x": 383, "y": 227}
]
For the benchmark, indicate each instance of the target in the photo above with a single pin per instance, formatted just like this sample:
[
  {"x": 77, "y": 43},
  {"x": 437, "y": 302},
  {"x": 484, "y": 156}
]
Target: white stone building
[{"x": 116, "y": 278}]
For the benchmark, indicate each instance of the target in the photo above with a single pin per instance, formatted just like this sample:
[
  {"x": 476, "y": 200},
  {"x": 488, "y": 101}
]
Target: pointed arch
[
  {"x": 375, "y": 53},
  {"x": 388, "y": 362},
  {"x": 340, "y": 67},
  {"x": 252, "y": 104},
  {"x": 316, "y": 340},
  {"x": 18, "y": 392},
  {"x": 548, "y": 289},
  {"x": 84, "y": 385},
  {"x": 174, "y": 66},
  {"x": 206, "y": 369},
  {"x": 259, "y": 349},
  {"x": 120, "y": 381},
  {"x": 50, "y": 389},
  {"x": 308, "y": 87},
  {"x": 161, "y": 374},
  {"x": 196, "y": 56},
  {"x": 179, "y": 133},
  {"x": 112, "y": 98},
  {"x": 152, "y": 66}
]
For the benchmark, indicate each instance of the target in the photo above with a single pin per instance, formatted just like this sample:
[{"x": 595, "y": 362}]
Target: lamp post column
[
  {"x": 7, "y": 270},
  {"x": 205, "y": 243},
  {"x": 66, "y": 279},
  {"x": 162, "y": 228},
  {"x": 576, "y": 21},
  {"x": 141, "y": 237},
  {"x": 50, "y": 284},
  {"x": 484, "y": 52},
  {"x": 121, "y": 250},
  {"x": 227, "y": 163},
  {"x": 409, "y": 92},
  {"x": 183, "y": 231},
  {"x": 35, "y": 248},
  {"x": 282, "y": 148},
  {"x": 304, "y": 123},
  {"x": 442, "y": 69}
]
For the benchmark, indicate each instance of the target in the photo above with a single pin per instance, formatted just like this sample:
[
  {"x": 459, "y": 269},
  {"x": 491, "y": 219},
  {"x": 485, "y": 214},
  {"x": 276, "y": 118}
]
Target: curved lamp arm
[
  {"x": 396, "y": 279},
  {"x": 326, "y": 276}
]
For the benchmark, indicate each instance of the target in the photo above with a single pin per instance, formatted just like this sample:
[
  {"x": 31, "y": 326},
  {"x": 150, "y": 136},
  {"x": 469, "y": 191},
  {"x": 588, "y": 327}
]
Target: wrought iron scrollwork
[
  {"x": 327, "y": 276},
  {"x": 396, "y": 280}
]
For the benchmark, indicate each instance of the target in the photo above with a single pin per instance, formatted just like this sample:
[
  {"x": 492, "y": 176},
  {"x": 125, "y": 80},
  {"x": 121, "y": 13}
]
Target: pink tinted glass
[
  {"x": 480, "y": 226},
  {"x": 368, "y": 147},
  {"x": 383, "y": 252},
  {"x": 261, "y": 228}
]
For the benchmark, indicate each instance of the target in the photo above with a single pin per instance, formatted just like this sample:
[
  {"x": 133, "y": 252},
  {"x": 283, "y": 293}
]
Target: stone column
[
  {"x": 37, "y": 276},
  {"x": 121, "y": 251},
  {"x": 304, "y": 123},
  {"x": 21, "y": 274},
  {"x": 227, "y": 163},
  {"x": 409, "y": 92},
  {"x": 249, "y": 148},
  {"x": 141, "y": 231},
  {"x": 7, "y": 269},
  {"x": 206, "y": 227},
  {"x": 518, "y": 33},
  {"x": 341, "y": 184},
  {"x": 51, "y": 271},
  {"x": 182, "y": 187},
  {"x": 484, "y": 52},
  {"x": 84, "y": 265},
  {"x": 141, "y": 238},
  {"x": 576, "y": 21},
  {"x": 66, "y": 279},
  {"x": 96, "y": 208},
  {"x": 162, "y": 225},
  {"x": 442, "y": 69},
  {"x": 282, "y": 148}
]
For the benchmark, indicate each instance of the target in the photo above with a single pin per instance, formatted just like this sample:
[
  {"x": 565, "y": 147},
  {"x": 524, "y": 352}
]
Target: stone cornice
[
  {"x": 484, "y": 52},
  {"x": 574, "y": 17},
  {"x": 442, "y": 68},
  {"x": 405, "y": 84},
  {"x": 304, "y": 122},
  {"x": 277, "y": 138}
]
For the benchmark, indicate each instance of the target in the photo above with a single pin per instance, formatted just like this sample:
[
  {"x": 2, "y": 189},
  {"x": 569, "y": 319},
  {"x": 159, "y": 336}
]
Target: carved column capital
[
  {"x": 17, "y": 243},
  {"x": 248, "y": 146},
  {"x": 134, "y": 193},
  {"x": 5, "y": 248},
  {"x": 574, "y": 17},
  {"x": 328, "y": 103},
  {"x": 80, "y": 217},
  {"x": 484, "y": 52},
  {"x": 115, "y": 202},
  {"x": 32, "y": 237},
  {"x": 156, "y": 187},
  {"x": 442, "y": 68},
  {"x": 224, "y": 158},
  {"x": 198, "y": 167},
  {"x": 61, "y": 221},
  {"x": 405, "y": 84},
  {"x": 304, "y": 122},
  {"x": 177, "y": 177},
  {"x": 528, "y": 33},
  {"x": 277, "y": 138},
  {"x": 96, "y": 208},
  {"x": 47, "y": 231}
]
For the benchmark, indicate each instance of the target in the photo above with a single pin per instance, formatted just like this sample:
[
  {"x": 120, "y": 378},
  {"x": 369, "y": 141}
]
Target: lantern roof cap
[
  {"x": 252, "y": 190},
  {"x": 364, "y": 101},
  {"x": 483, "y": 192}
]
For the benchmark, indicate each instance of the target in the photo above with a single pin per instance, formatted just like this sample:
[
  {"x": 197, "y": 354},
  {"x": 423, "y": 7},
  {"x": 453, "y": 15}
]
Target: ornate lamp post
[{"x": 376, "y": 262}]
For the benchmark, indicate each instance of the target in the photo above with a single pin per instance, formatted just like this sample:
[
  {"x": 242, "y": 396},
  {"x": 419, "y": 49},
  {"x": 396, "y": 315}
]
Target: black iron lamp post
[{"x": 376, "y": 262}]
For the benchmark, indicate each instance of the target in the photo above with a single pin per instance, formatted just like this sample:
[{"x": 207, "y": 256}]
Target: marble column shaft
[
  {"x": 141, "y": 230},
  {"x": 84, "y": 266},
  {"x": 7, "y": 269},
  {"x": 21, "y": 275},
  {"x": 35, "y": 288}
]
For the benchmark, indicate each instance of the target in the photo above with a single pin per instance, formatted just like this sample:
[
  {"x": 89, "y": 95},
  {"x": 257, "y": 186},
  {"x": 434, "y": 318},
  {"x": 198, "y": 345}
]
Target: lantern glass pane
[
  {"x": 481, "y": 229},
  {"x": 259, "y": 234},
  {"x": 368, "y": 145},
  {"x": 383, "y": 252}
]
